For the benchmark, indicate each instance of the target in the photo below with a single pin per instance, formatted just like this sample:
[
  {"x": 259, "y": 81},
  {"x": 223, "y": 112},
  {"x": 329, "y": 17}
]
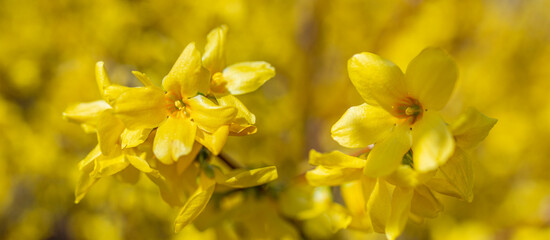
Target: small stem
[{"x": 362, "y": 151}]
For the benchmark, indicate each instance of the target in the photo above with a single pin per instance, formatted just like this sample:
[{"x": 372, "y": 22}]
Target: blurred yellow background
[{"x": 48, "y": 50}]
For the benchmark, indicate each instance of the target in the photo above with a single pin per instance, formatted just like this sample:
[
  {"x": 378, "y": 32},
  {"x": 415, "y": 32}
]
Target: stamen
[
  {"x": 179, "y": 105},
  {"x": 412, "y": 110}
]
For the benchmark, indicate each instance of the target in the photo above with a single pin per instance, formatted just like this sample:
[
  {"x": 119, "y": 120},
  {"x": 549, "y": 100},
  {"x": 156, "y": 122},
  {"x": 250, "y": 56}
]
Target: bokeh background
[{"x": 48, "y": 49}]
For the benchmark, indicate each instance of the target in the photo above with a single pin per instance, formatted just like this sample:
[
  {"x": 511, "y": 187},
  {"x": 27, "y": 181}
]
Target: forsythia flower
[
  {"x": 400, "y": 112},
  {"x": 174, "y": 134},
  {"x": 384, "y": 204},
  {"x": 415, "y": 152},
  {"x": 237, "y": 79}
]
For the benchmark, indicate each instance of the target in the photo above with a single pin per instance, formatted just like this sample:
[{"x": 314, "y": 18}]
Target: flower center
[
  {"x": 179, "y": 105},
  {"x": 411, "y": 110}
]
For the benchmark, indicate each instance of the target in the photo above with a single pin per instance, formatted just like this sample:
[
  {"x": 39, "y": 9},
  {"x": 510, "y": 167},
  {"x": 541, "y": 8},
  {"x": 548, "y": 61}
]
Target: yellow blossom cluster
[{"x": 174, "y": 134}]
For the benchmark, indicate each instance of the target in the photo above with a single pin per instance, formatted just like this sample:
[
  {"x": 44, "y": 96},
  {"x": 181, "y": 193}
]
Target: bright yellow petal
[
  {"x": 175, "y": 137},
  {"x": 379, "y": 206},
  {"x": 133, "y": 138},
  {"x": 195, "y": 204},
  {"x": 471, "y": 128},
  {"x": 141, "y": 108},
  {"x": 387, "y": 155},
  {"x": 247, "y": 178},
  {"x": 400, "y": 207},
  {"x": 101, "y": 76},
  {"x": 431, "y": 77},
  {"x": 335, "y": 159},
  {"x": 107, "y": 166},
  {"x": 86, "y": 113},
  {"x": 85, "y": 181},
  {"x": 455, "y": 178},
  {"x": 208, "y": 115},
  {"x": 187, "y": 77},
  {"x": 322, "y": 176},
  {"x": 144, "y": 79},
  {"x": 139, "y": 163},
  {"x": 214, "y": 142},
  {"x": 424, "y": 203},
  {"x": 433, "y": 143},
  {"x": 378, "y": 81},
  {"x": 406, "y": 176},
  {"x": 244, "y": 116},
  {"x": 354, "y": 202},
  {"x": 112, "y": 92},
  {"x": 362, "y": 125},
  {"x": 246, "y": 77},
  {"x": 186, "y": 160},
  {"x": 109, "y": 129},
  {"x": 214, "y": 51}
]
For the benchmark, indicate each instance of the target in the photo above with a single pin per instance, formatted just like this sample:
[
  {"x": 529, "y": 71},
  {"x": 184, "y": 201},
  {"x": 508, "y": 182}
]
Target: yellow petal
[
  {"x": 322, "y": 176},
  {"x": 455, "y": 178},
  {"x": 133, "y": 138},
  {"x": 86, "y": 113},
  {"x": 109, "y": 129},
  {"x": 362, "y": 125},
  {"x": 246, "y": 77},
  {"x": 431, "y": 77},
  {"x": 379, "y": 207},
  {"x": 112, "y": 92},
  {"x": 386, "y": 156},
  {"x": 244, "y": 116},
  {"x": 214, "y": 142},
  {"x": 424, "y": 203},
  {"x": 214, "y": 51},
  {"x": 187, "y": 77},
  {"x": 184, "y": 161},
  {"x": 400, "y": 207},
  {"x": 141, "y": 108},
  {"x": 175, "y": 137},
  {"x": 433, "y": 143},
  {"x": 85, "y": 181},
  {"x": 335, "y": 159},
  {"x": 247, "y": 178},
  {"x": 101, "y": 76},
  {"x": 354, "y": 202},
  {"x": 471, "y": 128},
  {"x": 208, "y": 115},
  {"x": 326, "y": 224},
  {"x": 139, "y": 163},
  {"x": 144, "y": 79},
  {"x": 107, "y": 166},
  {"x": 195, "y": 204},
  {"x": 378, "y": 81},
  {"x": 406, "y": 176}
]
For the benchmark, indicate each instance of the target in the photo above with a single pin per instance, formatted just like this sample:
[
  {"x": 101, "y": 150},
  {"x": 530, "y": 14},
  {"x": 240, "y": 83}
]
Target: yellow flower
[
  {"x": 181, "y": 112},
  {"x": 400, "y": 112},
  {"x": 237, "y": 79}
]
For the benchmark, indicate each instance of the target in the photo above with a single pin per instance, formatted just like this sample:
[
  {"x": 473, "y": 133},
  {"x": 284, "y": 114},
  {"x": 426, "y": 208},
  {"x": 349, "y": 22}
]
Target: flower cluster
[
  {"x": 175, "y": 134},
  {"x": 408, "y": 150}
]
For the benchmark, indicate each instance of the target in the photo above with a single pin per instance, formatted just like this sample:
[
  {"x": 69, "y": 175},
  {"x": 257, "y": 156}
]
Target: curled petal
[
  {"x": 174, "y": 138},
  {"x": 86, "y": 113},
  {"x": 208, "y": 115},
  {"x": 433, "y": 143},
  {"x": 386, "y": 156},
  {"x": 424, "y": 203},
  {"x": 471, "y": 128},
  {"x": 187, "y": 77},
  {"x": 431, "y": 77},
  {"x": 322, "y": 176},
  {"x": 400, "y": 207},
  {"x": 133, "y": 138},
  {"x": 455, "y": 178},
  {"x": 246, "y": 77},
  {"x": 247, "y": 178},
  {"x": 214, "y": 142},
  {"x": 378, "y": 81},
  {"x": 214, "y": 51},
  {"x": 195, "y": 204},
  {"x": 109, "y": 129},
  {"x": 101, "y": 76},
  {"x": 362, "y": 125},
  {"x": 379, "y": 206},
  {"x": 141, "y": 108},
  {"x": 335, "y": 159}
]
